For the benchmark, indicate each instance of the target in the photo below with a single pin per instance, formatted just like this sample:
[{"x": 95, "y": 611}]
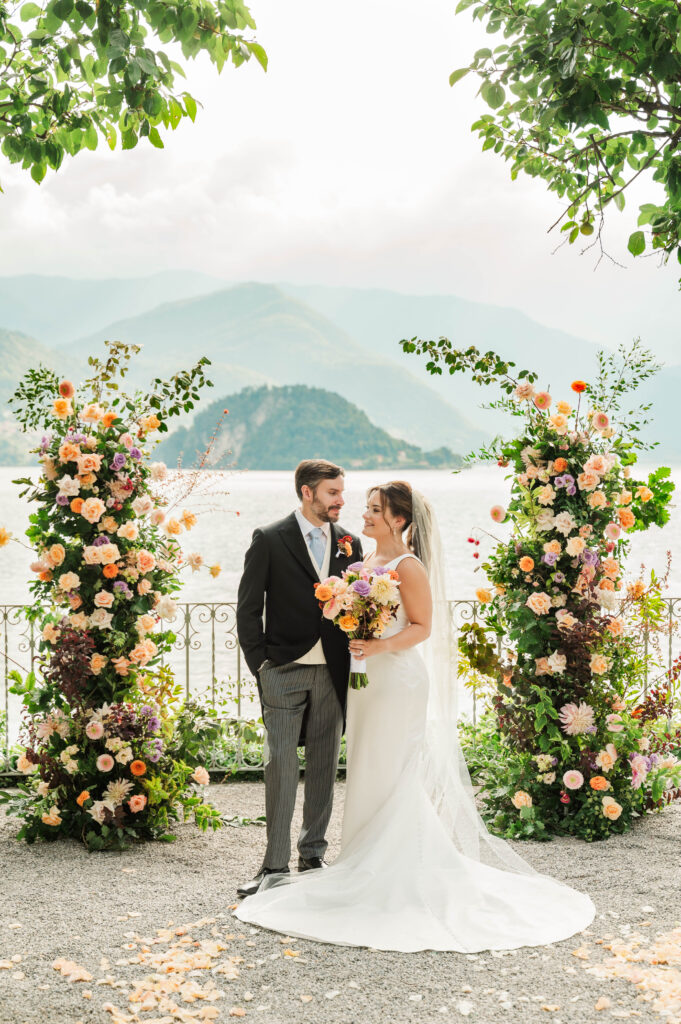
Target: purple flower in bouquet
[
  {"x": 154, "y": 723},
  {"x": 356, "y": 567},
  {"x": 99, "y": 541},
  {"x": 118, "y": 461},
  {"x": 379, "y": 570},
  {"x": 549, "y": 558},
  {"x": 45, "y": 443},
  {"x": 135, "y": 453},
  {"x": 122, "y": 588},
  {"x": 62, "y": 499},
  {"x": 79, "y": 438},
  {"x": 361, "y": 587},
  {"x": 589, "y": 556},
  {"x": 559, "y": 577}
]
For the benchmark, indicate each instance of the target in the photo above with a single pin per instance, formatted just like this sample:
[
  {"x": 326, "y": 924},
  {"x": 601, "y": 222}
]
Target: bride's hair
[{"x": 397, "y": 496}]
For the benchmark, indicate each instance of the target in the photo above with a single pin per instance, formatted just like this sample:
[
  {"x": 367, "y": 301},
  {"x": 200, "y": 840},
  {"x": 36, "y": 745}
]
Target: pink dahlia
[
  {"x": 498, "y": 513},
  {"x": 576, "y": 718},
  {"x": 573, "y": 779},
  {"x": 542, "y": 400},
  {"x": 105, "y": 762}
]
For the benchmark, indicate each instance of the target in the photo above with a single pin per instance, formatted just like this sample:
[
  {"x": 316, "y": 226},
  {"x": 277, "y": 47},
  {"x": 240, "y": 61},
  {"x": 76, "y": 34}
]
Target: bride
[{"x": 417, "y": 869}]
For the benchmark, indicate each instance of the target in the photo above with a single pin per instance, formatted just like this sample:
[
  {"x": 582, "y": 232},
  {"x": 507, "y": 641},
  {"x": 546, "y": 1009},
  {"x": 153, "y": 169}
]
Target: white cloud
[{"x": 350, "y": 162}]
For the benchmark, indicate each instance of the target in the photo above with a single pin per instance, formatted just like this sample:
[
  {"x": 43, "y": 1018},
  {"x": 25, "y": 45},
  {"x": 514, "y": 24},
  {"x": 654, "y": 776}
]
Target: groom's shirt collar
[{"x": 306, "y": 526}]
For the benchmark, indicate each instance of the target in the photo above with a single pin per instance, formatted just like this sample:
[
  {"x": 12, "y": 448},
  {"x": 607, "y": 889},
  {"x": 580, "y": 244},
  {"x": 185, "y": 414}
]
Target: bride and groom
[{"x": 417, "y": 869}]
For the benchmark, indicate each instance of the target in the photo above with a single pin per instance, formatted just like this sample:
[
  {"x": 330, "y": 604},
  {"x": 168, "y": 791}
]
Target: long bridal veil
[{"x": 447, "y": 779}]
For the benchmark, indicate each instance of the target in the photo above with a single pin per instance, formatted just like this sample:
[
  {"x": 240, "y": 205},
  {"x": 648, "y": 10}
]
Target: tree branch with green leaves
[
  {"x": 74, "y": 72},
  {"x": 587, "y": 96}
]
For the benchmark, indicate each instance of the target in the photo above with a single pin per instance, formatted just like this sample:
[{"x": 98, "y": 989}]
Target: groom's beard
[{"x": 327, "y": 515}]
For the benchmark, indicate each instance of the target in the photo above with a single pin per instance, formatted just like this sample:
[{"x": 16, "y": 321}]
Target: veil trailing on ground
[{"x": 446, "y": 774}]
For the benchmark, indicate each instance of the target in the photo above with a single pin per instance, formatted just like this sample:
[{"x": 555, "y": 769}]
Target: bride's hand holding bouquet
[{"x": 361, "y": 602}]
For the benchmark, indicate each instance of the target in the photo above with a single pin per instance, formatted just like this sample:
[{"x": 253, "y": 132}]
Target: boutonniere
[{"x": 344, "y": 546}]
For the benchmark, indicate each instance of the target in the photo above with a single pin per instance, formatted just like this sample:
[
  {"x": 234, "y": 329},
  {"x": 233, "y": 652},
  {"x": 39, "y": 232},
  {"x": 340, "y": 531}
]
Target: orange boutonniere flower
[{"x": 344, "y": 546}]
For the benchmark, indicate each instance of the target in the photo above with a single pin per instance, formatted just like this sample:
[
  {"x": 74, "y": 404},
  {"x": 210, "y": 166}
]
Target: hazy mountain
[
  {"x": 256, "y": 330},
  {"x": 59, "y": 309},
  {"x": 274, "y": 428}
]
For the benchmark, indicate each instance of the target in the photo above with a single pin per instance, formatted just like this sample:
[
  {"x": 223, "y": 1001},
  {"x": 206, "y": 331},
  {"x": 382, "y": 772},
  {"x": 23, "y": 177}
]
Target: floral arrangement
[
  {"x": 99, "y": 724},
  {"x": 361, "y": 602},
  {"x": 572, "y": 749}
]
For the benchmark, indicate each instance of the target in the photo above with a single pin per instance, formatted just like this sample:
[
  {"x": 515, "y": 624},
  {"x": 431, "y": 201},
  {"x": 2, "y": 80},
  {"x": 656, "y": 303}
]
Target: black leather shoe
[
  {"x": 311, "y": 863},
  {"x": 250, "y": 888}
]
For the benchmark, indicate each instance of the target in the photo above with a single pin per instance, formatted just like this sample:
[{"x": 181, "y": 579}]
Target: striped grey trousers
[{"x": 289, "y": 691}]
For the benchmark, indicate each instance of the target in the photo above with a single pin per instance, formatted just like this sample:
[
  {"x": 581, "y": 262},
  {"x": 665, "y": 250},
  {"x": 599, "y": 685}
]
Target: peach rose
[
  {"x": 143, "y": 587},
  {"x": 56, "y": 554},
  {"x": 52, "y": 817},
  {"x": 521, "y": 799},
  {"x": 91, "y": 413},
  {"x": 109, "y": 553},
  {"x": 588, "y": 481},
  {"x": 539, "y": 603},
  {"x": 61, "y": 408},
  {"x": 611, "y": 809},
  {"x": 483, "y": 595},
  {"x": 526, "y": 564},
  {"x": 91, "y": 554},
  {"x": 605, "y": 759},
  {"x": 623, "y": 498},
  {"x": 145, "y": 623},
  {"x": 108, "y": 419},
  {"x": 139, "y": 655},
  {"x": 121, "y": 665},
  {"x": 108, "y": 525},
  {"x": 151, "y": 422},
  {"x": 626, "y": 518},
  {"x": 137, "y": 803},
  {"x": 559, "y": 423},
  {"x": 68, "y": 452},
  {"x": 615, "y": 627},
  {"x": 348, "y": 622},
  {"x": 145, "y": 561},
  {"x": 644, "y": 493},
  {"x": 188, "y": 519},
  {"x": 129, "y": 531},
  {"x": 25, "y": 766},
  {"x": 173, "y": 527},
  {"x": 552, "y": 547},
  {"x": 75, "y": 602},
  {"x": 69, "y": 581},
  {"x": 93, "y": 509},
  {"x": 104, "y": 599},
  {"x": 597, "y": 500},
  {"x": 611, "y": 567},
  {"x": 90, "y": 463},
  {"x": 201, "y": 776},
  {"x": 599, "y": 664},
  {"x": 323, "y": 592},
  {"x": 636, "y": 589},
  {"x": 97, "y": 663},
  {"x": 565, "y": 408},
  {"x": 575, "y": 546}
]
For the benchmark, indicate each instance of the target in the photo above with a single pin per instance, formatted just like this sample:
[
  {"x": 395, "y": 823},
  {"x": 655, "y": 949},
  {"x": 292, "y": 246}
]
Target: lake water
[{"x": 231, "y": 505}]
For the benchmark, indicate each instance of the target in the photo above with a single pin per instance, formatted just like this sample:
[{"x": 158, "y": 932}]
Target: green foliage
[
  {"x": 74, "y": 73},
  {"x": 587, "y": 96}
]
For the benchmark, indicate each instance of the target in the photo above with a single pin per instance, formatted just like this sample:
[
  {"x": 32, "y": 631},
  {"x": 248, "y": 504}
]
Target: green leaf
[
  {"x": 29, "y": 11},
  {"x": 259, "y": 54},
  {"x": 190, "y": 106},
  {"x": 493, "y": 94},
  {"x": 456, "y": 76},
  {"x": 636, "y": 243},
  {"x": 462, "y": 5}
]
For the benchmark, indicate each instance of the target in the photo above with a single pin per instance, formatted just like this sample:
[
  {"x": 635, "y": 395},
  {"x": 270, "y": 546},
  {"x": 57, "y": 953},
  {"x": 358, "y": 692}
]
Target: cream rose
[{"x": 539, "y": 603}]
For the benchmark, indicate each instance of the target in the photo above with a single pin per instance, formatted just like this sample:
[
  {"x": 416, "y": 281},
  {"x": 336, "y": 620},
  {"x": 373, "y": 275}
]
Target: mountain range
[
  {"x": 344, "y": 340},
  {"x": 277, "y": 427}
]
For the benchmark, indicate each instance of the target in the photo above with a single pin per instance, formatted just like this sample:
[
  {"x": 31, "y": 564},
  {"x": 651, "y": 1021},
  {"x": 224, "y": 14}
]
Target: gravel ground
[{"x": 60, "y": 901}]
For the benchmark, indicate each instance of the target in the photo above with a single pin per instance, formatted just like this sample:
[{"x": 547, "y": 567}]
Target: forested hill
[{"x": 276, "y": 427}]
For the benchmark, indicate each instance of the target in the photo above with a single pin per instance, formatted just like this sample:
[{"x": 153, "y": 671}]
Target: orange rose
[
  {"x": 97, "y": 663},
  {"x": 138, "y": 768},
  {"x": 606, "y": 584},
  {"x": 599, "y": 782},
  {"x": 151, "y": 422},
  {"x": 579, "y": 386},
  {"x": 45, "y": 576},
  {"x": 76, "y": 505},
  {"x": 82, "y": 797},
  {"x": 110, "y": 571},
  {"x": 68, "y": 452},
  {"x": 86, "y": 479},
  {"x": 323, "y": 592},
  {"x": 626, "y": 518},
  {"x": 644, "y": 493},
  {"x": 61, "y": 407},
  {"x": 347, "y": 623},
  {"x": 560, "y": 465},
  {"x": 108, "y": 418},
  {"x": 526, "y": 563},
  {"x": 637, "y": 589}
]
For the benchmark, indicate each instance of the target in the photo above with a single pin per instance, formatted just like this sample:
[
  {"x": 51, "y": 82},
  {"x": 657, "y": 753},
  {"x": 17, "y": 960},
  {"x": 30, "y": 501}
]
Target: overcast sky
[{"x": 350, "y": 162}]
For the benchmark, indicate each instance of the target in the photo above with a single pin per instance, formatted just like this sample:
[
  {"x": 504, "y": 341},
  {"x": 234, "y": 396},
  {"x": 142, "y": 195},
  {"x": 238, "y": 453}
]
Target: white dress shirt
[{"x": 315, "y": 656}]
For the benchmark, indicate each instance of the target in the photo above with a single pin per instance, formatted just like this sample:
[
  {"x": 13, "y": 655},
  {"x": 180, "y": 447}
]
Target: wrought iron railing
[{"x": 206, "y": 660}]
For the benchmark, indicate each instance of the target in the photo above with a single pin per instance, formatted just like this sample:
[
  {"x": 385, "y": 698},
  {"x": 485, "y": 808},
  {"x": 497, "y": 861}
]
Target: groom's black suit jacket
[{"x": 278, "y": 575}]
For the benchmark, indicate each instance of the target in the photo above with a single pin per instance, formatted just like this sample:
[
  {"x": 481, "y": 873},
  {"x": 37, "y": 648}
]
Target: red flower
[{"x": 579, "y": 386}]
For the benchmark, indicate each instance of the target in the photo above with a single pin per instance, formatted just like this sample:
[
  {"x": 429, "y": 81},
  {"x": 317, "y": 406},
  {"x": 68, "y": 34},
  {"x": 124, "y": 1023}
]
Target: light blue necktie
[{"x": 317, "y": 542}]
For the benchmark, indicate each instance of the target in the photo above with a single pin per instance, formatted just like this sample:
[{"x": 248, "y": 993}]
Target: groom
[{"x": 300, "y": 660}]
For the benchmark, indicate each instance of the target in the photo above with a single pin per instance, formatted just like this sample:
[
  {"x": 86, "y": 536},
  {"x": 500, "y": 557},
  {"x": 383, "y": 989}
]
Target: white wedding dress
[{"x": 401, "y": 881}]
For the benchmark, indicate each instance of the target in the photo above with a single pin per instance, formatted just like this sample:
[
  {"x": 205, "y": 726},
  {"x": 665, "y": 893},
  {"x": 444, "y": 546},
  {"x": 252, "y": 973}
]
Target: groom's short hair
[{"x": 310, "y": 472}]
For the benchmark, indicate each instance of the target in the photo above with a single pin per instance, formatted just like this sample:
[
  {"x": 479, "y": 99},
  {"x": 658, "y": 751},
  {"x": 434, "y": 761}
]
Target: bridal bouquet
[{"x": 361, "y": 602}]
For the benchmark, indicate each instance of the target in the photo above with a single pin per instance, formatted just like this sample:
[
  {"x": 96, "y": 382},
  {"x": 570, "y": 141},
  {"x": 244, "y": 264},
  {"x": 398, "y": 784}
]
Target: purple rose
[
  {"x": 356, "y": 567},
  {"x": 559, "y": 577},
  {"x": 118, "y": 461},
  {"x": 379, "y": 570},
  {"x": 154, "y": 723},
  {"x": 45, "y": 443},
  {"x": 549, "y": 558},
  {"x": 135, "y": 453},
  {"x": 102, "y": 539},
  {"x": 62, "y": 499},
  {"x": 361, "y": 587},
  {"x": 589, "y": 556}
]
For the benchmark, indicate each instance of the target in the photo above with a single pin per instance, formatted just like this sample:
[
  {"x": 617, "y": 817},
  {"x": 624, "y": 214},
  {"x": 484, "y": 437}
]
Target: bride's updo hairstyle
[{"x": 396, "y": 496}]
